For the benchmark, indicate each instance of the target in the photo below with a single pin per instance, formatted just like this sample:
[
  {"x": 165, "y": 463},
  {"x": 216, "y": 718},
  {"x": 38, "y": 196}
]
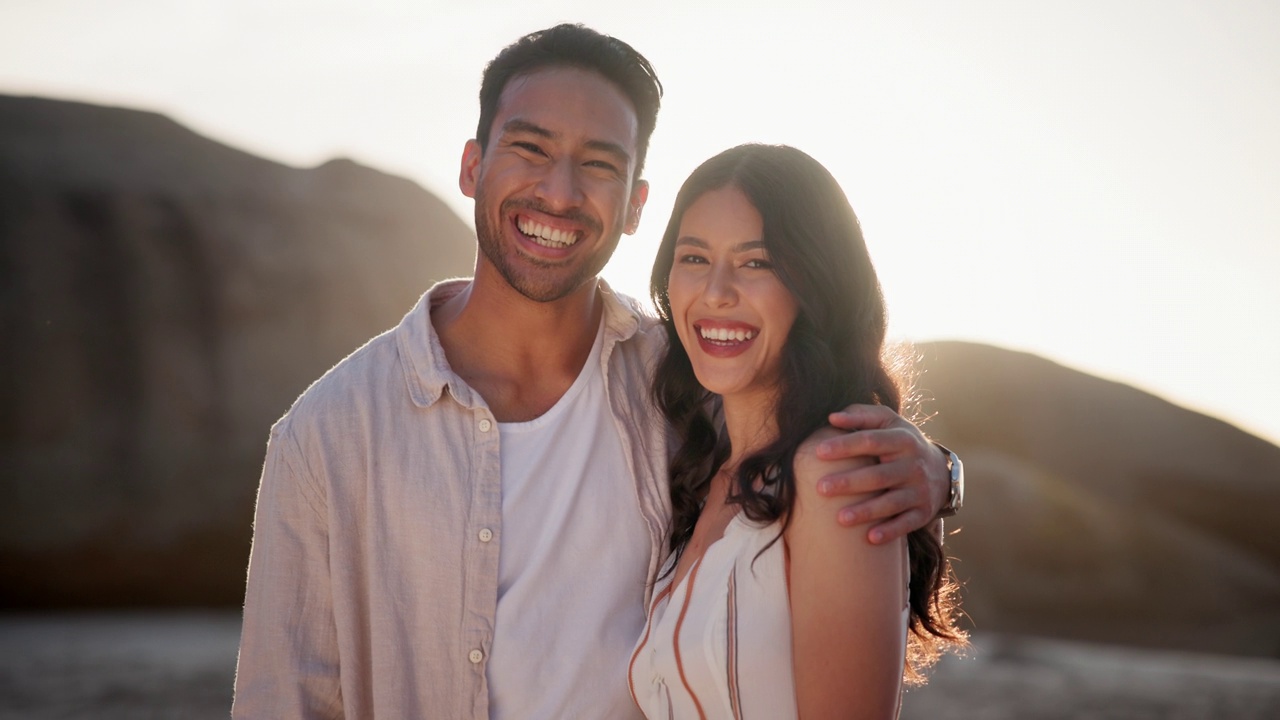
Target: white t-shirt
[{"x": 572, "y": 565}]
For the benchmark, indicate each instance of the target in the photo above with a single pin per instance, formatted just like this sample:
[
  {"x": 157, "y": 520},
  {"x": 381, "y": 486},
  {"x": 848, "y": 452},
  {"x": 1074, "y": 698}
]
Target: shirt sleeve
[{"x": 288, "y": 665}]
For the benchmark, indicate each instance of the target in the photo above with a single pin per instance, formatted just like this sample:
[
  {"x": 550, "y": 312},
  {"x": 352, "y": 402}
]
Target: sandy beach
[{"x": 118, "y": 666}]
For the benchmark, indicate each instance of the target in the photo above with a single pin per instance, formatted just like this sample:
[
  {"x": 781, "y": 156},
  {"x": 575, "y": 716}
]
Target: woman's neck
[{"x": 751, "y": 422}]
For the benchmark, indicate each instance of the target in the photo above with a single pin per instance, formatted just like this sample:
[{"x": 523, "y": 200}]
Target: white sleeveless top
[
  {"x": 718, "y": 645},
  {"x": 728, "y": 621}
]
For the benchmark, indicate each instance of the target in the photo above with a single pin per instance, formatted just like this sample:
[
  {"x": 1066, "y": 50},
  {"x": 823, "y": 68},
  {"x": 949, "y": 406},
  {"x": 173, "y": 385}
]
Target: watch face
[
  {"x": 955, "y": 491},
  {"x": 957, "y": 481}
]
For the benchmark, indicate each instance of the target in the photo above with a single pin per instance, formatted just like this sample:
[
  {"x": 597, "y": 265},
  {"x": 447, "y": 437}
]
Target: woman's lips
[{"x": 725, "y": 339}]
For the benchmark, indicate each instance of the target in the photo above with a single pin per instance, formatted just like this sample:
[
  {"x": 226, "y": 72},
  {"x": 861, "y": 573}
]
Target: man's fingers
[
  {"x": 909, "y": 473},
  {"x": 878, "y": 443},
  {"x": 857, "y": 481},
  {"x": 895, "y": 513},
  {"x": 896, "y": 527},
  {"x": 882, "y": 507},
  {"x": 865, "y": 417},
  {"x": 909, "y": 481}
]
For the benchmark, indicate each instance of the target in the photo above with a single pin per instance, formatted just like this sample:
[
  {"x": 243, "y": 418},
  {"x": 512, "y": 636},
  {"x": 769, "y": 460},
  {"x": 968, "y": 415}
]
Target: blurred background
[{"x": 1072, "y": 207}]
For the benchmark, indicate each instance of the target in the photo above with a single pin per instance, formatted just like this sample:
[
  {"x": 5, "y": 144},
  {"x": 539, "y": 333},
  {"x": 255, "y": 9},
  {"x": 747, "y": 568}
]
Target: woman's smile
[{"x": 725, "y": 339}]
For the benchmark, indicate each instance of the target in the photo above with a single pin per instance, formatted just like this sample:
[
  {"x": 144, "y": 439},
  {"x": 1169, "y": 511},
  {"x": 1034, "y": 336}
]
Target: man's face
[{"x": 554, "y": 189}]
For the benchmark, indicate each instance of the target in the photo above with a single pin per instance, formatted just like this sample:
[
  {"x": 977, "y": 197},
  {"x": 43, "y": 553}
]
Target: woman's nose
[{"x": 720, "y": 290}]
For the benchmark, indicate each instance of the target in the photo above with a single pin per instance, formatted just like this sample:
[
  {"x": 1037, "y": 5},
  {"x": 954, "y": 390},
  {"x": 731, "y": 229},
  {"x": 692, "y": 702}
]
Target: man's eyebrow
[
  {"x": 518, "y": 126},
  {"x": 611, "y": 148}
]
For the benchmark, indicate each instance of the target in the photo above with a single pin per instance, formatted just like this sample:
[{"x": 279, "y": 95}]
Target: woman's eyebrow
[
  {"x": 700, "y": 243},
  {"x": 694, "y": 241}
]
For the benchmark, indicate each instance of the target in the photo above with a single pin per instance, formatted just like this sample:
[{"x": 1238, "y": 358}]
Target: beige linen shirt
[{"x": 373, "y": 577}]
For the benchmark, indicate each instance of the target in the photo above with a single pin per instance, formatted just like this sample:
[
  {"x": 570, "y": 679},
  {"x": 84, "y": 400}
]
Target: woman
[{"x": 768, "y": 607}]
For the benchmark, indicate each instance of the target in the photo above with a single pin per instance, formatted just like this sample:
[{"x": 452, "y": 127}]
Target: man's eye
[
  {"x": 528, "y": 147},
  {"x": 604, "y": 165}
]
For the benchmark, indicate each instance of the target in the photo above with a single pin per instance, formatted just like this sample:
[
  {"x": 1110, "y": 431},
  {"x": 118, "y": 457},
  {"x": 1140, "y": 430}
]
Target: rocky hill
[
  {"x": 1099, "y": 512},
  {"x": 163, "y": 298}
]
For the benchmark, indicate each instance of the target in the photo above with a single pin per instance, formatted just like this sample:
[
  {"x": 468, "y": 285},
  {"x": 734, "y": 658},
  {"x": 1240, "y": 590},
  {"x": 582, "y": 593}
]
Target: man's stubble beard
[{"x": 543, "y": 287}]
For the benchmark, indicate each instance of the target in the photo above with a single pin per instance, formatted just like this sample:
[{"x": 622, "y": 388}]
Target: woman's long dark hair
[{"x": 833, "y": 357}]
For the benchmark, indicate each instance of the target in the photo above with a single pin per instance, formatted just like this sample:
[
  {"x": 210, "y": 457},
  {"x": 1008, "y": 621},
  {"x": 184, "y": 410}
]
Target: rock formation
[
  {"x": 1099, "y": 512},
  {"x": 165, "y": 298}
]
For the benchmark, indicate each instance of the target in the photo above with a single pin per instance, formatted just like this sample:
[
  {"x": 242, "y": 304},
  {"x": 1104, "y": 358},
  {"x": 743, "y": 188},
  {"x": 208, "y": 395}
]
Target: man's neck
[{"x": 519, "y": 354}]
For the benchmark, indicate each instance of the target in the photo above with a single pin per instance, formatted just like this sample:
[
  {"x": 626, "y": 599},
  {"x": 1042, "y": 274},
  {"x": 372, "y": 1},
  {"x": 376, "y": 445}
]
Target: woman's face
[{"x": 731, "y": 311}]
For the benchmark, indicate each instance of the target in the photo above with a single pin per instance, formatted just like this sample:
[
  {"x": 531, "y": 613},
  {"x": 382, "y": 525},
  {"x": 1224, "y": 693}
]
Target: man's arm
[
  {"x": 288, "y": 664},
  {"x": 912, "y": 481}
]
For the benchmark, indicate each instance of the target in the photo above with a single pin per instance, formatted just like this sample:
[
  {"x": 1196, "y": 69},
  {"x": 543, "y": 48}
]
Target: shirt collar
[{"x": 426, "y": 369}]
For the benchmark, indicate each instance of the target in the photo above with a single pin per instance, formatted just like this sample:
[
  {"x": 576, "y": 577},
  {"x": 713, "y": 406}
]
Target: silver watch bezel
[{"x": 955, "y": 496}]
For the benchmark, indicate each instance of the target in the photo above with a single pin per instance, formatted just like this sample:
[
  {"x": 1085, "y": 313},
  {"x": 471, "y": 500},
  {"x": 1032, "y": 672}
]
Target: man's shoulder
[
  {"x": 351, "y": 382},
  {"x": 649, "y": 333},
  {"x": 401, "y": 365}
]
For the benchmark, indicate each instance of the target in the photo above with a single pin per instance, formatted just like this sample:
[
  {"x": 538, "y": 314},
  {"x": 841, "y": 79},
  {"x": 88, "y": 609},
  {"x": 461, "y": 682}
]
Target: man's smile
[{"x": 545, "y": 235}]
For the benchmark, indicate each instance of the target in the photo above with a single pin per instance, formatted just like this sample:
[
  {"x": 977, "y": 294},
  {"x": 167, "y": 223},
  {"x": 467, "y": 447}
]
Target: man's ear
[
  {"x": 639, "y": 194},
  {"x": 469, "y": 173}
]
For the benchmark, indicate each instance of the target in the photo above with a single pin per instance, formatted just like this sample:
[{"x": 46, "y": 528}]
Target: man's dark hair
[{"x": 572, "y": 45}]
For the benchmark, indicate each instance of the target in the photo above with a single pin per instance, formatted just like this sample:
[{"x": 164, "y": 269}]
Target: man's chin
[
  {"x": 537, "y": 279},
  {"x": 543, "y": 291}
]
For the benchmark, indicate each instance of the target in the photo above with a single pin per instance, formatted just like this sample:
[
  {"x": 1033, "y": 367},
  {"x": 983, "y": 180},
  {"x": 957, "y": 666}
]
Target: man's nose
[{"x": 560, "y": 187}]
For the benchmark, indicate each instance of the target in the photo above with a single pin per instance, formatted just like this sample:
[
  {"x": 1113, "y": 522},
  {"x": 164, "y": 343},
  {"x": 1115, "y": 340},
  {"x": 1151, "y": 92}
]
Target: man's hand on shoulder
[{"x": 911, "y": 482}]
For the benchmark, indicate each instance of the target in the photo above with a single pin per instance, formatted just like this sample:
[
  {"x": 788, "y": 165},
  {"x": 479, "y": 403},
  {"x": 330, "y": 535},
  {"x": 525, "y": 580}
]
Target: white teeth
[
  {"x": 545, "y": 236},
  {"x": 725, "y": 335}
]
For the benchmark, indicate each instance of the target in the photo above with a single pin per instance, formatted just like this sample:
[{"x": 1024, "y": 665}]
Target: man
[{"x": 463, "y": 518}]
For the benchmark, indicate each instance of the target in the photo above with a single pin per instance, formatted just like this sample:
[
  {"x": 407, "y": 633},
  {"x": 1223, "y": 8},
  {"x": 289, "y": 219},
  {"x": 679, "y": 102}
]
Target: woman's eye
[
  {"x": 759, "y": 263},
  {"x": 692, "y": 260}
]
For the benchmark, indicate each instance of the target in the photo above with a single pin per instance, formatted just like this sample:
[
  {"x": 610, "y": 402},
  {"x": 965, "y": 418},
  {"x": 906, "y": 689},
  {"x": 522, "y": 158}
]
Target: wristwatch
[{"x": 955, "y": 498}]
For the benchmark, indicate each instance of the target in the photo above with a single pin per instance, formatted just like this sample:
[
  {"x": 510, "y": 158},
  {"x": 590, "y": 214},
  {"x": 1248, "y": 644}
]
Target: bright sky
[{"x": 1095, "y": 181}]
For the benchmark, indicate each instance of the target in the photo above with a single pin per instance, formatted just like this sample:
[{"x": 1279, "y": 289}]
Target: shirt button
[
  {"x": 475, "y": 657},
  {"x": 485, "y": 425},
  {"x": 486, "y": 535}
]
